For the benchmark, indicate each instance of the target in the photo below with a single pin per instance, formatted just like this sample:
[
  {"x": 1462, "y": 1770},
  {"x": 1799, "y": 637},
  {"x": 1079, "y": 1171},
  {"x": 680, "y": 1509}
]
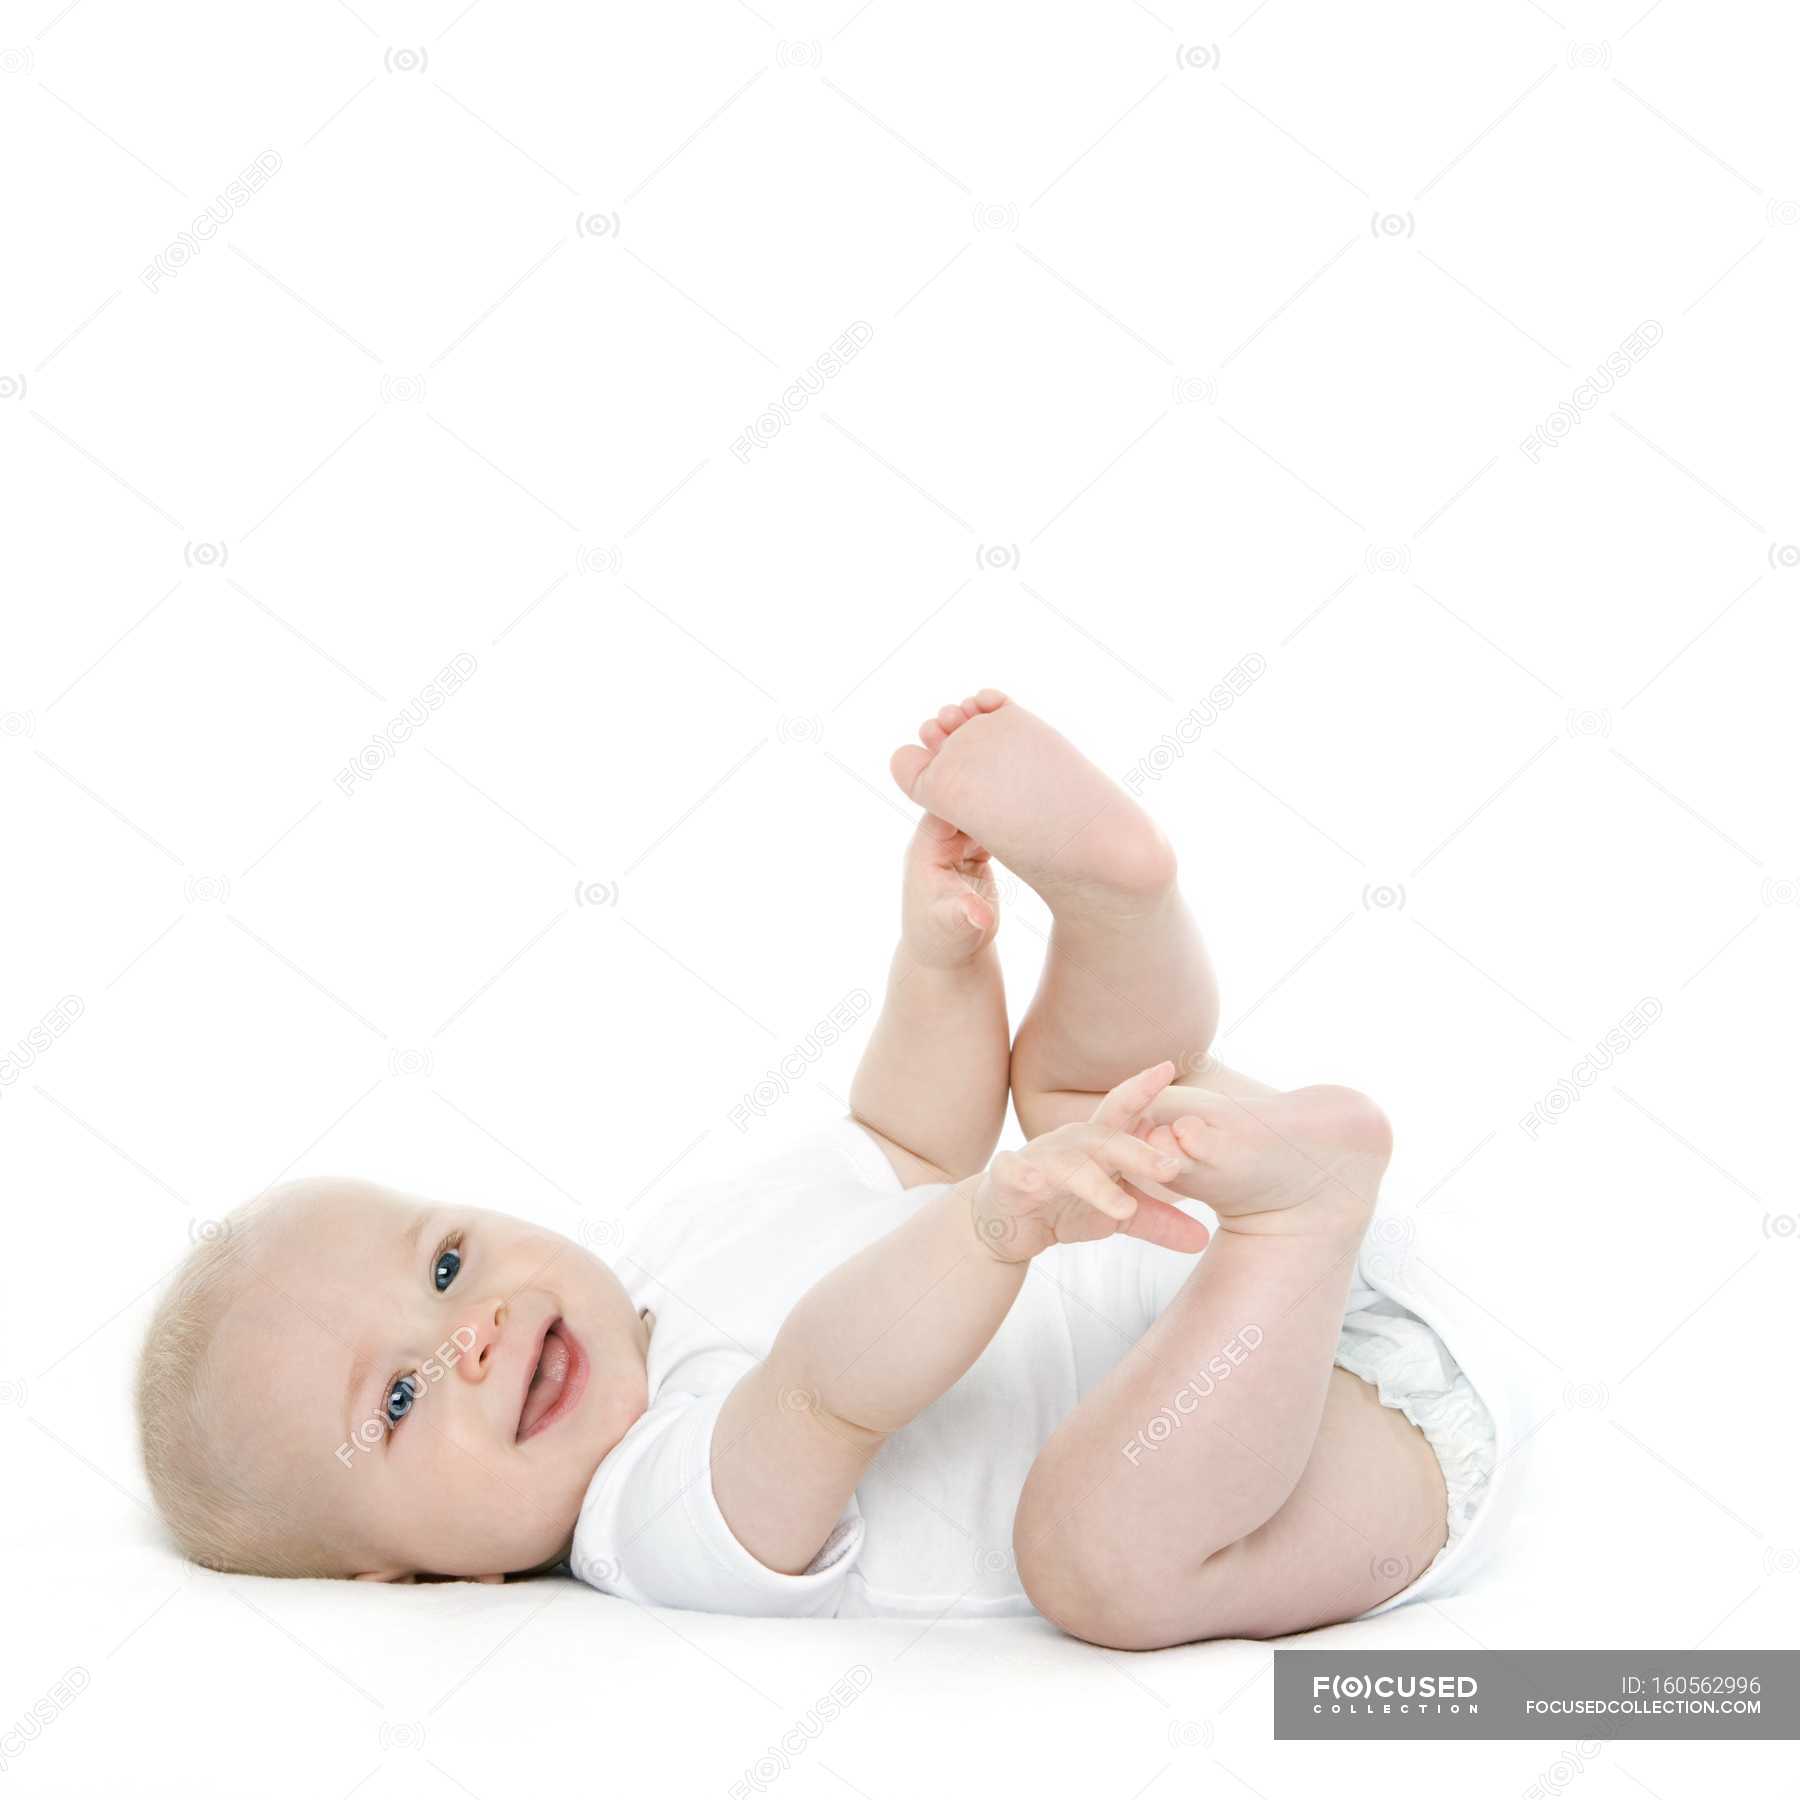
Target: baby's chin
[{"x": 553, "y": 1500}]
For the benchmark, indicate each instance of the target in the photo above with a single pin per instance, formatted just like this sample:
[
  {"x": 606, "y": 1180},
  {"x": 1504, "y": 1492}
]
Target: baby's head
[{"x": 351, "y": 1381}]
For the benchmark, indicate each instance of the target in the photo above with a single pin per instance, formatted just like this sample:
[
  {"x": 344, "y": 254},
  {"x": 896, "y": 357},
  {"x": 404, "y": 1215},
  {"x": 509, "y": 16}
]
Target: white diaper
[{"x": 1411, "y": 1368}]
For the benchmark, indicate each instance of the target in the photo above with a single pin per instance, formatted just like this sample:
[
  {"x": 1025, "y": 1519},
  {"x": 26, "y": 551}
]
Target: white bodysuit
[{"x": 928, "y": 1531}]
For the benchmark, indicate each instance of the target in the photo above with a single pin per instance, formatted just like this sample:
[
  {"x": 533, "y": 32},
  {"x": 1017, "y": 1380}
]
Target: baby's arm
[
  {"x": 883, "y": 1335},
  {"x": 932, "y": 1085}
]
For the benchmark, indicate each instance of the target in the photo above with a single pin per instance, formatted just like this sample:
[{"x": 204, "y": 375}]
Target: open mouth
[{"x": 558, "y": 1375}]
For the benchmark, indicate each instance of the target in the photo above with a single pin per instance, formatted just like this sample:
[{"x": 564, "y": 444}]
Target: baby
[{"x": 882, "y": 1373}]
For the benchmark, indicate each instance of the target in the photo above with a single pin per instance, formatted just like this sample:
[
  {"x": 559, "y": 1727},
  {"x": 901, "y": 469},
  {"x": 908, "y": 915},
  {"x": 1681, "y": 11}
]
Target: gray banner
[{"x": 1372, "y": 1694}]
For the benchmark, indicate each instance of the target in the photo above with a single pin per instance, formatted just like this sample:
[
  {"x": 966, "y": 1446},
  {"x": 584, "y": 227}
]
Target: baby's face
[{"x": 431, "y": 1387}]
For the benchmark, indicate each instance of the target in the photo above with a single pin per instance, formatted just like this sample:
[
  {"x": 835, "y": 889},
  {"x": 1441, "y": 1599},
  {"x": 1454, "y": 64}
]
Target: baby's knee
[
  {"x": 1097, "y": 1585},
  {"x": 1118, "y": 1607},
  {"x": 1108, "y": 1613},
  {"x": 1064, "y": 1581}
]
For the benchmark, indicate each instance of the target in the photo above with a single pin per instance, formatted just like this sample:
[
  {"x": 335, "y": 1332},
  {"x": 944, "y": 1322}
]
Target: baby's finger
[
  {"x": 1088, "y": 1182},
  {"x": 1120, "y": 1108},
  {"x": 1171, "y": 1102},
  {"x": 1158, "y": 1135},
  {"x": 1017, "y": 1172},
  {"x": 1157, "y": 1222},
  {"x": 1147, "y": 1164}
]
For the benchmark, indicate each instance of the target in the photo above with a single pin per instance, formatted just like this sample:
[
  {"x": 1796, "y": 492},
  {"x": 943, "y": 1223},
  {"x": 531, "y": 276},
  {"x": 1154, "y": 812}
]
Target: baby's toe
[
  {"x": 974, "y": 912},
  {"x": 906, "y": 765}
]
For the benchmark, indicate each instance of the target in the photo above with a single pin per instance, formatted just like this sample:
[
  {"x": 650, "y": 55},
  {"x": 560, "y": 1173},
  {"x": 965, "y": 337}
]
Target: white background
[{"x": 1199, "y": 331}]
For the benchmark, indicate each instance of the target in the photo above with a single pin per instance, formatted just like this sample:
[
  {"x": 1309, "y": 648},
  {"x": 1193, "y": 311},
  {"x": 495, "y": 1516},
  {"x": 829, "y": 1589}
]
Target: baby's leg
[
  {"x": 1127, "y": 981},
  {"x": 1225, "y": 1480},
  {"x": 931, "y": 1087}
]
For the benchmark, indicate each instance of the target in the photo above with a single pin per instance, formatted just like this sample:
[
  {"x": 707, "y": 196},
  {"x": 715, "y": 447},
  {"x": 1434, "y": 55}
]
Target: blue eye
[
  {"x": 400, "y": 1400},
  {"x": 443, "y": 1271}
]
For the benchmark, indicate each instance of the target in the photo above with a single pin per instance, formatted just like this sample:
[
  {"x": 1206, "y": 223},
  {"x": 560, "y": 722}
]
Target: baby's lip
[
  {"x": 574, "y": 1378},
  {"x": 531, "y": 1365}
]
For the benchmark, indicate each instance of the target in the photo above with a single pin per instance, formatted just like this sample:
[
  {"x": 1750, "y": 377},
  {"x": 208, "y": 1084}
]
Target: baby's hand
[{"x": 1064, "y": 1187}]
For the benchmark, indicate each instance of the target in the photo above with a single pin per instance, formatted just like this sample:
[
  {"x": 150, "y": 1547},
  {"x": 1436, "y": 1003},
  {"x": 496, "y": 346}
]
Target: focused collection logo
[{"x": 1427, "y": 1694}]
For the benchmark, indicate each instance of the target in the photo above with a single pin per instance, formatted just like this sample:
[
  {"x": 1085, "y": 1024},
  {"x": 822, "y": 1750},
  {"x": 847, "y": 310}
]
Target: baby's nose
[{"x": 479, "y": 1333}]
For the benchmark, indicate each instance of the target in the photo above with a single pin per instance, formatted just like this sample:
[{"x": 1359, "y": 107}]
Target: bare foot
[
  {"x": 949, "y": 905},
  {"x": 1005, "y": 777},
  {"x": 1309, "y": 1161}
]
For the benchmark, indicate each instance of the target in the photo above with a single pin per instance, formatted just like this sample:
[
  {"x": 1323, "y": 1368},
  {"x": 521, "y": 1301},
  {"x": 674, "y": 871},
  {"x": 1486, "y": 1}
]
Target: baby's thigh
[{"x": 1365, "y": 1520}]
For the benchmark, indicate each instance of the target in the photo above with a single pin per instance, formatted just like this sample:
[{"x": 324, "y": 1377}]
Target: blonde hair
[{"x": 220, "y": 1517}]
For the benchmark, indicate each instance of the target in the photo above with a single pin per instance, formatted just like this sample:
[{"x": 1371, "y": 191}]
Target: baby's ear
[{"x": 390, "y": 1575}]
